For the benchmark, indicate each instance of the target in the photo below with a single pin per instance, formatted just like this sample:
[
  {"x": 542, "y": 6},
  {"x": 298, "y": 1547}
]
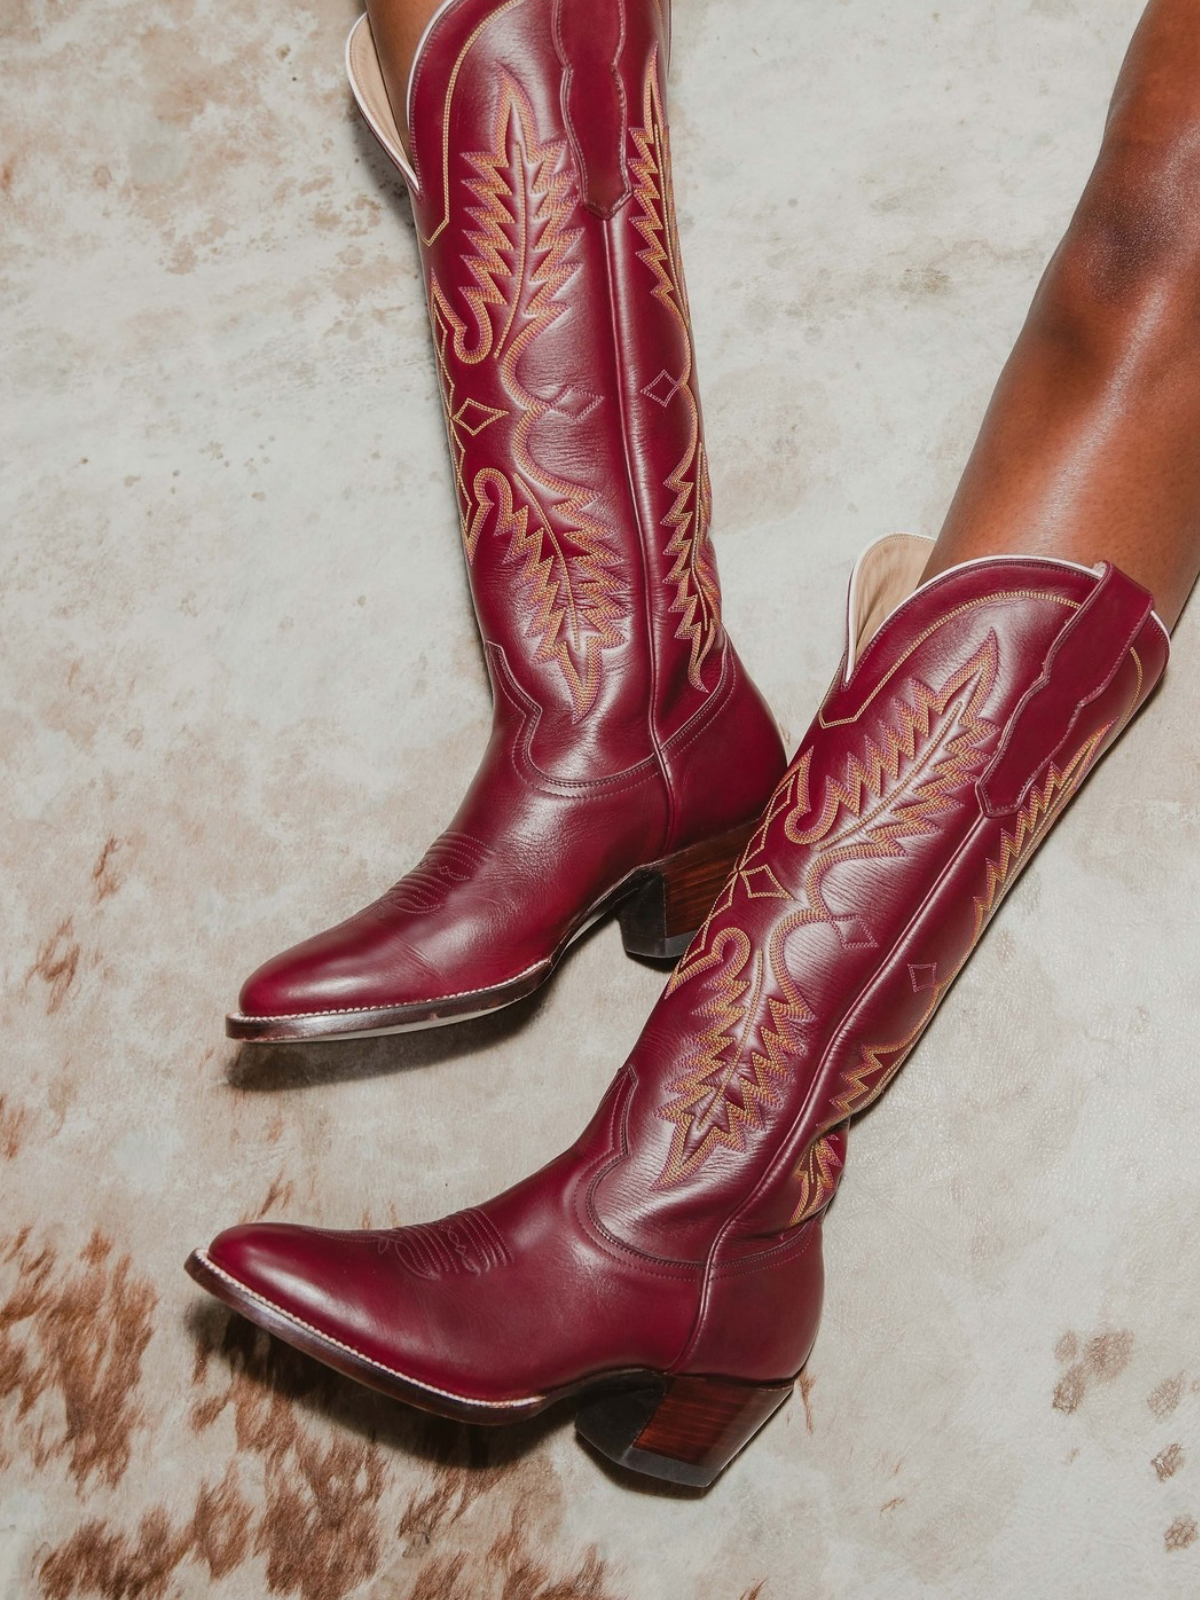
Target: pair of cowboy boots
[{"x": 667, "y": 1268}]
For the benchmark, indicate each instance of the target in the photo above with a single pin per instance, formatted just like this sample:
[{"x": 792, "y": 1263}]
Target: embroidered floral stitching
[
  {"x": 693, "y": 574},
  {"x": 877, "y": 1065},
  {"x": 522, "y": 253},
  {"x": 893, "y": 790},
  {"x": 818, "y": 1176}
]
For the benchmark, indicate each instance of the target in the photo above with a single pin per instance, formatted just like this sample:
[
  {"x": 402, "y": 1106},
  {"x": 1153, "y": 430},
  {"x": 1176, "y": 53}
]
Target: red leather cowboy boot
[
  {"x": 669, "y": 1263},
  {"x": 630, "y": 754}
]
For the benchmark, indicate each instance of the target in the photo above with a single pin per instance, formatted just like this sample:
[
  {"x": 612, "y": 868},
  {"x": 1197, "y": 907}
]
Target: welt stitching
[
  {"x": 328, "y": 1338},
  {"x": 347, "y": 1011}
]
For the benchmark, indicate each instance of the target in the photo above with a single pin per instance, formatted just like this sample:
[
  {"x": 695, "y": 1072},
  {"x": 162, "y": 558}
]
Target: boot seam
[
  {"x": 672, "y": 808},
  {"x": 600, "y": 1234},
  {"x": 799, "y": 1244},
  {"x": 530, "y": 713},
  {"x": 688, "y": 732}
]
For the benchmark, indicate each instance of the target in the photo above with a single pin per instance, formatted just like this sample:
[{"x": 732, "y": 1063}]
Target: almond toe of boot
[
  {"x": 312, "y": 977},
  {"x": 335, "y": 980},
  {"x": 329, "y": 1294},
  {"x": 273, "y": 1261}
]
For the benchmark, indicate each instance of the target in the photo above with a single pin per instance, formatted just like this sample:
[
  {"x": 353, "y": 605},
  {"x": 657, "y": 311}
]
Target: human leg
[{"x": 1090, "y": 449}]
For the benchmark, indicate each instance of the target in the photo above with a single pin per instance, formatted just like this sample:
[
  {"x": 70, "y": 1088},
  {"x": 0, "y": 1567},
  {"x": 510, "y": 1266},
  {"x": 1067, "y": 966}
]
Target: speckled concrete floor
[{"x": 241, "y": 691}]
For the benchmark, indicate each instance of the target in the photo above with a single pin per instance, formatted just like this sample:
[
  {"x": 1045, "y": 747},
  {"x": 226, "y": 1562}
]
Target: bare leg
[
  {"x": 1090, "y": 449},
  {"x": 397, "y": 26}
]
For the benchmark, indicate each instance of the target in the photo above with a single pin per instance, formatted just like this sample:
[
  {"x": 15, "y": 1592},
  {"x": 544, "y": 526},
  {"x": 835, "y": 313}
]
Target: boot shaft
[
  {"x": 540, "y": 177},
  {"x": 947, "y": 746}
]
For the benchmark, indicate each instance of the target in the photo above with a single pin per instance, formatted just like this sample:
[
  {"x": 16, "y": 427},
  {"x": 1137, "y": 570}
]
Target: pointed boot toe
[
  {"x": 359, "y": 978},
  {"x": 329, "y": 1294},
  {"x": 409, "y": 1311},
  {"x": 298, "y": 1273}
]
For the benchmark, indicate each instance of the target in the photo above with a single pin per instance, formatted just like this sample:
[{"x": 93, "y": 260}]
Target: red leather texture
[
  {"x": 681, "y": 1233},
  {"x": 625, "y": 728}
]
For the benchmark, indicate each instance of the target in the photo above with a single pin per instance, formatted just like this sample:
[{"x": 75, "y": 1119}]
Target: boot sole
[
  {"x": 659, "y": 907},
  {"x": 682, "y": 1429}
]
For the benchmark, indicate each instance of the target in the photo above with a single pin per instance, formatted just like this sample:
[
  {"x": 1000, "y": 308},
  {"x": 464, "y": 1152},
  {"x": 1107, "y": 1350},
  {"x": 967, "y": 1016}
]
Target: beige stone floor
[{"x": 240, "y": 692}]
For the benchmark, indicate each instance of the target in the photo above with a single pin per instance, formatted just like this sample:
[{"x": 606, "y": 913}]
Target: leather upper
[
  {"x": 682, "y": 1230},
  {"x": 878, "y": 863},
  {"x": 625, "y": 728}
]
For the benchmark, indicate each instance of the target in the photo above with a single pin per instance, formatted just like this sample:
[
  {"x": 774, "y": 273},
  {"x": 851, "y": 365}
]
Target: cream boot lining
[
  {"x": 366, "y": 83},
  {"x": 886, "y": 574}
]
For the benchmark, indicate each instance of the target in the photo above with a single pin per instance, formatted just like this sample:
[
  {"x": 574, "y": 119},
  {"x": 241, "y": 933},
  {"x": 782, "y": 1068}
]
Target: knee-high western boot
[
  {"x": 668, "y": 1265},
  {"x": 630, "y": 753}
]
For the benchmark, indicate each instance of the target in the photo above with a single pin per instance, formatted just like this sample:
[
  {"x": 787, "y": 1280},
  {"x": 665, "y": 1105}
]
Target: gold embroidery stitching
[
  {"x": 893, "y": 790},
  {"x": 451, "y": 84},
  {"x": 878, "y": 1064},
  {"x": 920, "y": 757},
  {"x": 524, "y": 191},
  {"x": 728, "y": 1086},
  {"x": 693, "y": 574},
  {"x": 958, "y": 611},
  {"x": 818, "y": 1175}
]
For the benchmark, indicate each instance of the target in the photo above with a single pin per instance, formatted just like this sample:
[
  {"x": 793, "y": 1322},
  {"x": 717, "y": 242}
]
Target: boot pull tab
[
  {"x": 589, "y": 36},
  {"x": 1083, "y": 661}
]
